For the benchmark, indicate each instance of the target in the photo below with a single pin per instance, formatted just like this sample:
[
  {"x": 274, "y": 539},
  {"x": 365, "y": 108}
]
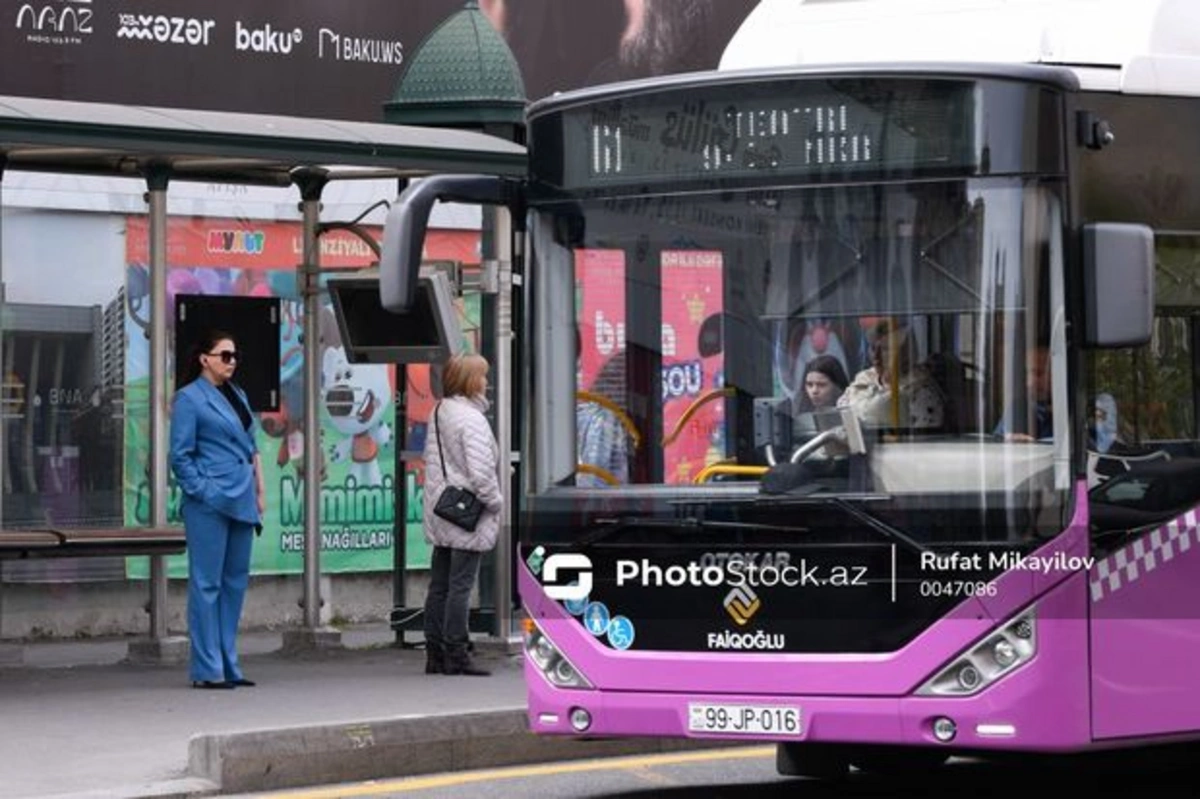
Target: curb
[{"x": 400, "y": 747}]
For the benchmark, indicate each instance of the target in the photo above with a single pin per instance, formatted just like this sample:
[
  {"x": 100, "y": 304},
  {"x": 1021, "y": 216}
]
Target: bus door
[{"x": 1143, "y": 467}]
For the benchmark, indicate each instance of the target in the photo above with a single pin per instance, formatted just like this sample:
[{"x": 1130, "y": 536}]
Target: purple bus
[{"x": 859, "y": 397}]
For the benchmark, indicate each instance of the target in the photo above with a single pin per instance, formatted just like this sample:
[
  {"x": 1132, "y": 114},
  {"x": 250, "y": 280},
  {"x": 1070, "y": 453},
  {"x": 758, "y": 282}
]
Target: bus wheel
[
  {"x": 822, "y": 761},
  {"x": 899, "y": 760}
]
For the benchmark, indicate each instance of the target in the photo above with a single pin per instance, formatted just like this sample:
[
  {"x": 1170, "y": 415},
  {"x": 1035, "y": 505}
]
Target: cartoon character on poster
[{"x": 357, "y": 398}]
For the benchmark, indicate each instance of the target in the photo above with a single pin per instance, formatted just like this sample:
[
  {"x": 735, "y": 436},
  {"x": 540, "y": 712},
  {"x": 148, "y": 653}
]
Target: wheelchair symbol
[{"x": 620, "y": 632}]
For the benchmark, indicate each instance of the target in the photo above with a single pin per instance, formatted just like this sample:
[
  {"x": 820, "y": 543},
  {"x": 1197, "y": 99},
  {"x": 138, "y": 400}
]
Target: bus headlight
[
  {"x": 991, "y": 658},
  {"x": 553, "y": 665}
]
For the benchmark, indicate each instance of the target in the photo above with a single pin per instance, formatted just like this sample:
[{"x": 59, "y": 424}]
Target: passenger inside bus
[
  {"x": 1014, "y": 426},
  {"x": 1103, "y": 432},
  {"x": 823, "y": 385},
  {"x": 895, "y": 391},
  {"x": 603, "y": 438}
]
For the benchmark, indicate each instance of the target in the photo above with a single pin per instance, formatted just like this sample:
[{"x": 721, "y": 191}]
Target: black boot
[
  {"x": 458, "y": 661},
  {"x": 435, "y": 656}
]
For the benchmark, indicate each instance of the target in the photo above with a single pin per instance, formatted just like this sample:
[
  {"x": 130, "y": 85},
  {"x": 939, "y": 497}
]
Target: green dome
[{"x": 462, "y": 74}]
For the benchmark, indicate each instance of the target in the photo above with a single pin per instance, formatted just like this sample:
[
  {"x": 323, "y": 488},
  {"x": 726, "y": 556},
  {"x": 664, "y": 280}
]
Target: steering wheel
[{"x": 810, "y": 447}]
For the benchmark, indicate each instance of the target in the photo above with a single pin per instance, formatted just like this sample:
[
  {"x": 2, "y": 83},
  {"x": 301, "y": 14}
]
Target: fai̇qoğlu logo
[{"x": 741, "y": 603}]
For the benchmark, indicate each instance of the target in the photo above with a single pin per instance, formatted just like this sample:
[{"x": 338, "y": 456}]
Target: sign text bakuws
[{"x": 340, "y": 47}]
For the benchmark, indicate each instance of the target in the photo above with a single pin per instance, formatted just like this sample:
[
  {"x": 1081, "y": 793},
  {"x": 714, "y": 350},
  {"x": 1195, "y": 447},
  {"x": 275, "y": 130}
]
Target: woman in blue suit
[{"x": 215, "y": 460}]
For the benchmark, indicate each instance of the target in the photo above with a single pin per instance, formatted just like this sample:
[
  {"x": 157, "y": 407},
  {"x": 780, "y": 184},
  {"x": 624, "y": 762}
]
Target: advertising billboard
[
  {"x": 246, "y": 258},
  {"x": 337, "y": 60}
]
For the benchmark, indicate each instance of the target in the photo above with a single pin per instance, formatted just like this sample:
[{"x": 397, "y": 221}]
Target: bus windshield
[{"x": 897, "y": 341}]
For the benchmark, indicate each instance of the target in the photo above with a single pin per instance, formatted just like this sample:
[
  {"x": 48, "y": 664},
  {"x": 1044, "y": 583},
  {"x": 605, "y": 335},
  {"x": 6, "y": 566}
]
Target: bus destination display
[{"x": 801, "y": 129}]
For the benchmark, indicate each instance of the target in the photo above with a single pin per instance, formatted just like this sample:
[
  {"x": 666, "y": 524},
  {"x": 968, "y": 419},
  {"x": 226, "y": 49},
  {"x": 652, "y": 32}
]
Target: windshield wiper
[
  {"x": 875, "y": 523},
  {"x": 843, "y": 503}
]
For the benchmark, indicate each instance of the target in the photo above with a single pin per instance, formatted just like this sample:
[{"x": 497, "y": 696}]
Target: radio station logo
[
  {"x": 265, "y": 40},
  {"x": 165, "y": 30},
  {"x": 741, "y": 603},
  {"x": 55, "y": 21}
]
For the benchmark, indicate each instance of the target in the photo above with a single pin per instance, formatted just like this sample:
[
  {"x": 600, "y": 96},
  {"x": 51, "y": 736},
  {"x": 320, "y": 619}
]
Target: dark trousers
[
  {"x": 218, "y": 552},
  {"x": 452, "y": 575}
]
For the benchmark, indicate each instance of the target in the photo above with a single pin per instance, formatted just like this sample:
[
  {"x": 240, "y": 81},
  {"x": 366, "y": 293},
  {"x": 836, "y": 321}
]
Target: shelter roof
[{"x": 217, "y": 146}]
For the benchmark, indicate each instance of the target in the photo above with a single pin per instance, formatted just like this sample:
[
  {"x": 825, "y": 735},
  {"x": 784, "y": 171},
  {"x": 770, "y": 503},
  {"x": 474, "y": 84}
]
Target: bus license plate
[{"x": 744, "y": 719}]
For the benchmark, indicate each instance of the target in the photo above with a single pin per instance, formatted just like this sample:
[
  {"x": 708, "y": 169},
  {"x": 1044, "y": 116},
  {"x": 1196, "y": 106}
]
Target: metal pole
[
  {"x": 400, "y": 494},
  {"x": 4, "y": 363},
  {"x": 311, "y": 183},
  {"x": 504, "y": 415},
  {"x": 156, "y": 198},
  {"x": 4, "y": 389}
]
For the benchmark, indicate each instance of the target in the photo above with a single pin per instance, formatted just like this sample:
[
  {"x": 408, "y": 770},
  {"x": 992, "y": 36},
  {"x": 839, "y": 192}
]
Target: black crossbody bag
[{"x": 457, "y": 505}]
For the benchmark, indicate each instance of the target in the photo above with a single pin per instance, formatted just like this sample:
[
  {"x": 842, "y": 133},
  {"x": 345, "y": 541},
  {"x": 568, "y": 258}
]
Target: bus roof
[{"x": 1130, "y": 46}]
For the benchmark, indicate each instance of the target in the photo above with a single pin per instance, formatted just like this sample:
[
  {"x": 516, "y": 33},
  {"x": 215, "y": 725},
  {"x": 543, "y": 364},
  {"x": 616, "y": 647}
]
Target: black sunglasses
[{"x": 226, "y": 356}]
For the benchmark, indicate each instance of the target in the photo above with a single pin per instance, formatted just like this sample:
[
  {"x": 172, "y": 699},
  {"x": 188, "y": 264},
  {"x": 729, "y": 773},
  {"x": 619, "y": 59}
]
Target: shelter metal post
[
  {"x": 504, "y": 422},
  {"x": 158, "y": 648},
  {"x": 9, "y": 655},
  {"x": 311, "y": 183},
  {"x": 156, "y": 181},
  {"x": 4, "y": 405},
  {"x": 400, "y": 491}
]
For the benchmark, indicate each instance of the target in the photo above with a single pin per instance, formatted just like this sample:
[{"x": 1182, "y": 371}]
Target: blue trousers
[{"x": 218, "y": 549}]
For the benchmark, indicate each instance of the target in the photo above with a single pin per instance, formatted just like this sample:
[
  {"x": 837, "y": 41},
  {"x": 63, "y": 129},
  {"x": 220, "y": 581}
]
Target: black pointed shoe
[
  {"x": 242, "y": 682},
  {"x": 211, "y": 684},
  {"x": 459, "y": 662}
]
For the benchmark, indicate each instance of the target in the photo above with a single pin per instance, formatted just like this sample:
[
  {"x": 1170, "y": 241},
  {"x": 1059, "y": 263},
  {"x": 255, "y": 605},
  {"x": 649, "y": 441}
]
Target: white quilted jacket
[{"x": 472, "y": 461}]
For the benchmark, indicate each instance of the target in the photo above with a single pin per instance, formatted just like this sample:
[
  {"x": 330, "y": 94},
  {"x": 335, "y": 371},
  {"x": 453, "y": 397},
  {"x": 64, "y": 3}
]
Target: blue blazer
[{"x": 212, "y": 455}]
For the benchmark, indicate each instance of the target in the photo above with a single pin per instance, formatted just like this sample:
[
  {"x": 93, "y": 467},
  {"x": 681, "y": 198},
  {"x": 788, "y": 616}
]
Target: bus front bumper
[{"x": 1024, "y": 712}]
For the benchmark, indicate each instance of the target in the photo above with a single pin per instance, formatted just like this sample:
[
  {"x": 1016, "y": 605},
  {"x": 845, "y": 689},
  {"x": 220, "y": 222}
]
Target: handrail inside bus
[
  {"x": 728, "y": 468},
  {"x": 617, "y": 410},
  {"x": 699, "y": 402},
  {"x": 597, "y": 471}
]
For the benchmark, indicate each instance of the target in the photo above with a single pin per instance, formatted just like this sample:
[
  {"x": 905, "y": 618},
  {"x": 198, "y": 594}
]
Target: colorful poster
[
  {"x": 692, "y": 360},
  {"x": 692, "y": 363},
  {"x": 358, "y": 475},
  {"x": 600, "y": 303}
]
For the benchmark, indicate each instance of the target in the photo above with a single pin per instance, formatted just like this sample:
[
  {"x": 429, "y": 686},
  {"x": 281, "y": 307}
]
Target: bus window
[
  {"x": 1143, "y": 401},
  {"x": 697, "y": 317}
]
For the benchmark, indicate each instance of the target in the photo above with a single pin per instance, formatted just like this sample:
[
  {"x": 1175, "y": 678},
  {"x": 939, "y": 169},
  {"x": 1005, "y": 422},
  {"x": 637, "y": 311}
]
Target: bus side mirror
[
  {"x": 1118, "y": 278},
  {"x": 404, "y": 230}
]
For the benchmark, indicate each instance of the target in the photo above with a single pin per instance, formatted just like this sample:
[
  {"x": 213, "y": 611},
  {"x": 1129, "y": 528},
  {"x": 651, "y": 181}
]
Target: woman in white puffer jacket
[{"x": 468, "y": 449}]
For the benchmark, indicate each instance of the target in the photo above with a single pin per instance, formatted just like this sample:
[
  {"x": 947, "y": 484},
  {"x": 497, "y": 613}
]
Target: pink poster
[
  {"x": 693, "y": 410},
  {"x": 692, "y": 375},
  {"x": 600, "y": 303}
]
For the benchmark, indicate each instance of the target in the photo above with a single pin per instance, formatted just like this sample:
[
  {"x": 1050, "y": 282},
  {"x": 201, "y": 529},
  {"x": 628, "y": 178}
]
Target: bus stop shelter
[{"x": 162, "y": 146}]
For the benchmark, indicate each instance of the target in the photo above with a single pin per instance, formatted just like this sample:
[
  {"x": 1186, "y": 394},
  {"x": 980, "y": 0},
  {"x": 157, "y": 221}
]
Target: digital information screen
[{"x": 798, "y": 128}]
